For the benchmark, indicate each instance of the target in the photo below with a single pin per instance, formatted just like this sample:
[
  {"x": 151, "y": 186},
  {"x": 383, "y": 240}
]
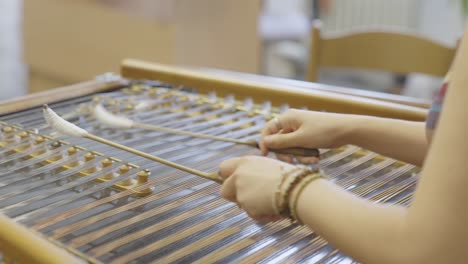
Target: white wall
[
  {"x": 441, "y": 20},
  {"x": 12, "y": 71},
  {"x": 345, "y": 15}
]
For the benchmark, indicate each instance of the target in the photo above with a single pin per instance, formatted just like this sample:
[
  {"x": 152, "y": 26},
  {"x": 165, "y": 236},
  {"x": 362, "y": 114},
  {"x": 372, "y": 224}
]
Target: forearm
[
  {"x": 399, "y": 139},
  {"x": 368, "y": 232}
]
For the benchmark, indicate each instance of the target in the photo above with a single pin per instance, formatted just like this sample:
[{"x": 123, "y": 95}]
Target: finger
[
  {"x": 279, "y": 141},
  {"x": 285, "y": 158},
  {"x": 270, "y": 128},
  {"x": 286, "y": 130},
  {"x": 282, "y": 131},
  {"x": 228, "y": 167},
  {"x": 308, "y": 160},
  {"x": 253, "y": 215},
  {"x": 228, "y": 189}
]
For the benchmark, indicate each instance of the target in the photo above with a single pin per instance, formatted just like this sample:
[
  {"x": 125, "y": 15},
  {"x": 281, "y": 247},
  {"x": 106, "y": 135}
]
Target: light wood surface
[
  {"x": 387, "y": 97},
  {"x": 218, "y": 34},
  {"x": 77, "y": 40},
  {"x": 23, "y": 246},
  {"x": 56, "y": 95},
  {"x": 378, "y": 50},
  {"x": 276, "y": 93},
  {"x": 73, "y": 41}
]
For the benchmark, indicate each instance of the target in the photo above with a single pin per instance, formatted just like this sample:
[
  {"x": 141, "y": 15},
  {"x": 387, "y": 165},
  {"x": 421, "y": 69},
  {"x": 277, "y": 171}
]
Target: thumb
[{"x": 279, "y": 141}]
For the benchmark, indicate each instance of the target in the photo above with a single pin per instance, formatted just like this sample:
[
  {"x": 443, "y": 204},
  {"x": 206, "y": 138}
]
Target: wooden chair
[{"x": 378, "y": 50}]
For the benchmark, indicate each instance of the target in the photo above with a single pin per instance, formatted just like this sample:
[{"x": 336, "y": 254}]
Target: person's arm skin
[
  {"x": 434, "y": 229},
  {"x": 398, "y": 139}
]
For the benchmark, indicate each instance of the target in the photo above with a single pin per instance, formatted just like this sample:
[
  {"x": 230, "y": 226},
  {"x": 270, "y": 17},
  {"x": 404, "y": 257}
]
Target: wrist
[
  {"x": 352, "y": 129},
  {"x": 290, "y": 188},
  {"x": 307, "y": 198},
  {"x": 297, "y": 192}
]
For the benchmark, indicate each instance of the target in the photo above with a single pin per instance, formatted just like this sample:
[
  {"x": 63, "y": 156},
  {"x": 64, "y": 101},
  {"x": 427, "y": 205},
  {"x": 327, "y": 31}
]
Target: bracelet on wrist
[
  {"x": 279, "y": 204},
  {"x": 289, "y": 181},
  {"x": 296, "y": 193}
]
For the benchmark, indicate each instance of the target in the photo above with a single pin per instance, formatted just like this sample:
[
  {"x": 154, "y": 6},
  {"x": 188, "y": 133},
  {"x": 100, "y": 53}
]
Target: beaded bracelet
[
  {"x": 300, "y": 187},
  {"x": 287, "y": 184},
  {"x": 278, "y": 205}
]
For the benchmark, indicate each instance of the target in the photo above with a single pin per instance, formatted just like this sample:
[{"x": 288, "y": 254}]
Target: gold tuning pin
[
  {"x": 89, "y": 157},
  {"x": 8, "y": 129},
  {"x": 137, "y": 88},
  {"x": 23, "y": 134},
  {"x": 55, "y": 145},
  {"x": 142, "y": 177},
  {"x": 123, "y": 169},
  {"x": 7, "y": 136},
  {"x": 8, "y": 133},
  {"x": 106, "y": 163},
  {"x": 71, "y": 151},
  {"x": 38, "y": 141}
]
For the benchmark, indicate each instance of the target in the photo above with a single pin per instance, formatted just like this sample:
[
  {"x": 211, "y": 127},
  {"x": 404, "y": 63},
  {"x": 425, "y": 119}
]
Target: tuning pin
[
  {"x": 142, "y": 179},
  {"x": 137, "y": 88},
  {"x": 71, "y": 152},
  {"x": 8, "y": 129},
  {"x": 39, "y": 140},
  {"x": 23, "y": 136},
  {"x": 123, "y": 169},
  {"x": 8, "y": 133},
  {"x": 55, "y": 145},
  {"x": 90, "y": 157},
  {"x": 105, "y": 164}
]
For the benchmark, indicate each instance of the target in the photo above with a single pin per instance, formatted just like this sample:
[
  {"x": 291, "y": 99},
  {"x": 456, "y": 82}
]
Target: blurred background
[{"x": 50, "y": 43}]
